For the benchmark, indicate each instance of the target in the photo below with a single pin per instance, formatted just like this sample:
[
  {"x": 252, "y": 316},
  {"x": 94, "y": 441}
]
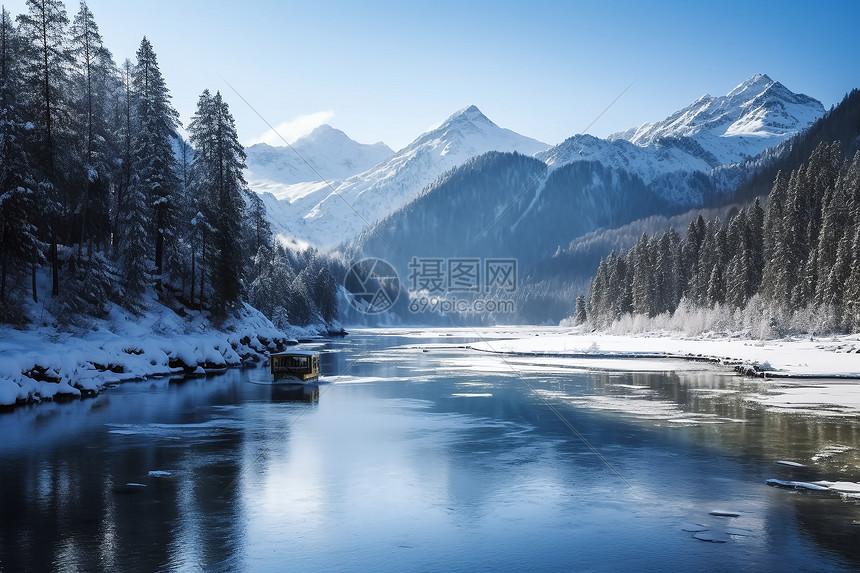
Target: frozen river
[{"x": 416, "y": 455}]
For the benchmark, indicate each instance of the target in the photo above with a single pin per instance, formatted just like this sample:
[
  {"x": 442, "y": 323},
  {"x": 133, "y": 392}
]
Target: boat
[{"x": 297, "y": 366}]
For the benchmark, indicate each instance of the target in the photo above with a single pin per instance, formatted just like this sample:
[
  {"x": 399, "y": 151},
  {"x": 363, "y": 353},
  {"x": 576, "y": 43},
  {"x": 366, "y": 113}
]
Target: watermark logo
[
  {"x": 436, "y": 285},
  {"x": 434, "y": 275},
  {"x": 372, "y": 286}
]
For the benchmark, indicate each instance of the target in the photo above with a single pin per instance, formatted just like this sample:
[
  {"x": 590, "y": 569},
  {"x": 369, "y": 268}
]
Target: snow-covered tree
[
  {"x": 219, "y": 160},
  {"x": 18, "y": 244},
  {"x": 94, "y": 78},
  {"x": 46, "y": 58},
  {"x": 153, "y": 160},
  {"x": 643, "y": 278},
  {"x": 580, "y": 313}
]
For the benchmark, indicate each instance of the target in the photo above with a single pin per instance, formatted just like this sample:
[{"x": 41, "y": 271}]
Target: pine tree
[
  {"x": 132, "y": 244},
  {"x": 258, "y": 230},
  {"x": 619, "y": 292},
  {"x": 598, "y": 304},
  {"x": 755, "y": 234},
  {"x": 95, "y": 82},
  {"x": 301, "y": 309},
  {"x": 815, "y": 183},
  {"x": 832, "y": 251},
  {"x": 716, "y": 286},
  {"x": 125, "y": 135},
  {"x": 784, "y": 257},
  {"x": 851, "y": 316},
  {"x": 325, "y": 294},
  {"x": 773, "y": 279},
  {"x": 643, "y": 278},
  {"x": 580, "y": 313},
  {"x": 153, "y": 160},
  {"x": 43, "y": 29},
  {"x": 184, "y": 258},
  {"x": 219, "y": 160},
  {"x": 19, "y": 247},
  {"x": 691, "y": 255}
]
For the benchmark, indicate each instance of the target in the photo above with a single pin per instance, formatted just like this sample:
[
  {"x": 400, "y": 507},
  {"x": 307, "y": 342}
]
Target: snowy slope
[
  {"x": 333, "y": 155},
  {"x": 674, "y": 154},
  {"x": 676, "y": 157},
  {"x": 325, "y": 217},
  {"x": 757, "y": 114},
  {"x": 649, "y": 163}
]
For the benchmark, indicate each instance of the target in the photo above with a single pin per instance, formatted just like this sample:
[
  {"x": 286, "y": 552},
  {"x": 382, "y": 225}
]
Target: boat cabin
[{"x": 301, "y": 366}]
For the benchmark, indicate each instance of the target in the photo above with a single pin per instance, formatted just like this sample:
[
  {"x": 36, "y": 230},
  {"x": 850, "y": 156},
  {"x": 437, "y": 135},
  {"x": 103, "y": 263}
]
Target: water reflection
[
  {"x": 410, "y": 461},
  {"x": 309, "y": 393}
]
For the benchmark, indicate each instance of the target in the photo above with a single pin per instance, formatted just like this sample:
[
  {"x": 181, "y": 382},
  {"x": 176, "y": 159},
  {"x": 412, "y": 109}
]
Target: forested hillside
[
  {"x": 101, "y": 201},
  {"x": 797, "y": 264}
]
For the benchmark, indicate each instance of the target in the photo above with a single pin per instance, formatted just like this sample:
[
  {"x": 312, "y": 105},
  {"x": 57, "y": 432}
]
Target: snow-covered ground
[
  {"x": 43, "y": 363},
  {"x": 809, "y": 375},
  {"x": 831, "y": 357}
]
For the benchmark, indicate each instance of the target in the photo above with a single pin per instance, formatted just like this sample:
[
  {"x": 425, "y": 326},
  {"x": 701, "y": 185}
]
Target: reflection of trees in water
[
  {"x": 78, "y": 514},
  {"x": 64, "y": 504}
]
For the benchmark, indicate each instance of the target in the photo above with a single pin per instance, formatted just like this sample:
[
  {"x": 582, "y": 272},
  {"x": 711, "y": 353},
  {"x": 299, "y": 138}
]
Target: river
[{"x": 414, "y": 454}]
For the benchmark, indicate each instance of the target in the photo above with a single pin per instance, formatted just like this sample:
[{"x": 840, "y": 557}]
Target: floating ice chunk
[
  {"x": 840, "y": 486},
  {"x": 159, "y": 473},
  {"x": 739, "y": 532},
  {"x": 719, "y": 513},
  {"x": 130, "y": 487},
  {"x": 693, "y": 527},
  {"x": 796, "y": 484},
  {"x": 790, "y": 464}
]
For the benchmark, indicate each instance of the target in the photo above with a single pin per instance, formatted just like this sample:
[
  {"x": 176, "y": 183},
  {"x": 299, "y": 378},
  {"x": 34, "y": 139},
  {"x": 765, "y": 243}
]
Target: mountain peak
[
  {"x": 323, "y": 132},
  {"x": 755, "y": 115},
  {"x": 471, "y": 114},
  {"x": 331, "y": 152},
  {"x": 755, "y": 85}
]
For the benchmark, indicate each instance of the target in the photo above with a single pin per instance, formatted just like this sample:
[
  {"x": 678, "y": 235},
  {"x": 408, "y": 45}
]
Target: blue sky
[{"x": 388, "y": 71}]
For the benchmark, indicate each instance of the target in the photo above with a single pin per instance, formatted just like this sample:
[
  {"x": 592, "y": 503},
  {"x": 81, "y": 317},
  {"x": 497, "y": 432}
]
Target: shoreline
[
  {"x": 740, "y": 367},
  {"x": 833, "y": 357},
  {"x": 42, "y": 365}
]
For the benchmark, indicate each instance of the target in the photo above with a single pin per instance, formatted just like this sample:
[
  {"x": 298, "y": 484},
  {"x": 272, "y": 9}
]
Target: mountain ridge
[
  {"x": 328, "y": 215},
  {"x": 688, "y": 159}
]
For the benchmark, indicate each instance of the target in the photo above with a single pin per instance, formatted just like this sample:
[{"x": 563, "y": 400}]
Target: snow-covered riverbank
[
  {"x": 831, "y": 357},
  {"x": 41, "y": 363},
  {"x": 808, "y": 375}
]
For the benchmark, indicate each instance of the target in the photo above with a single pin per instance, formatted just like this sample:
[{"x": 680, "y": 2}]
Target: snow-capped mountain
[
  {"x": 649, "y": 163},
  {"x": 712, "y": 132},
  {"x": 677, "y": 159},
  {"x": 586, "y": 183},
  {"x": 328, "y": 215},
  {"x": 757, "y": 114},
  {"x": 333, "y": 155}
]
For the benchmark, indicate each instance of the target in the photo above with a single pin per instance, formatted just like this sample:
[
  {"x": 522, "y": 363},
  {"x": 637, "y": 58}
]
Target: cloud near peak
[{"x": 292, "y": 129}]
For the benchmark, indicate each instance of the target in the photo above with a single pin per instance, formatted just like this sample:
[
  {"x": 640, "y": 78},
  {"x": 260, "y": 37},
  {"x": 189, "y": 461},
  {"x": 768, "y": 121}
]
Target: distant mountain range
[
  {"x": 326, "y": 215},
  {"x": 670, "y": 164}
]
